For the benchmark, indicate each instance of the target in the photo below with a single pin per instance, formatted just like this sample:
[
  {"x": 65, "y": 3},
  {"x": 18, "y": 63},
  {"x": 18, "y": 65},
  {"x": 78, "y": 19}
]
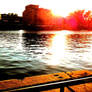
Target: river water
[{"x": 44, "y": 52}]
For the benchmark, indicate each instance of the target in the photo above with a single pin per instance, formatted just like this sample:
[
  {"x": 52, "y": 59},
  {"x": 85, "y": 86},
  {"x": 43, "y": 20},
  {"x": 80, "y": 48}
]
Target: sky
[
  {"x": 58, "y": 6},
  {"x": 13, "y": 6}
]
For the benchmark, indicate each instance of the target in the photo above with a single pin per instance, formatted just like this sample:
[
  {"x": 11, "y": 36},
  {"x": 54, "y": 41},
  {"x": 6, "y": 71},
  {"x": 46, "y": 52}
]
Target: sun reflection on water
[
  {"x": 19, "y": 46},
  {"x": 58, "y": 46}
]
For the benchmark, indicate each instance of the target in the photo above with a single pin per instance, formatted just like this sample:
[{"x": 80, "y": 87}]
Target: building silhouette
[
  {"x": 35, "y": 17},
  {"x": 10, "y": 21}
]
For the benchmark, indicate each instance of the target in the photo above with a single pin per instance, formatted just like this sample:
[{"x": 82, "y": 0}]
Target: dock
[{"x": 75, "y": 81}]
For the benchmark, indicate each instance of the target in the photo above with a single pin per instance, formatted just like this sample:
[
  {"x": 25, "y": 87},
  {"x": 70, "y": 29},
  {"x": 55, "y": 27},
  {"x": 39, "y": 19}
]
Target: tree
[{"x": 82, "y": 19}]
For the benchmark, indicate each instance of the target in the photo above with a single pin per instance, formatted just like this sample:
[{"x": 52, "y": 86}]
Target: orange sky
[{"x": 59, "y": 6}]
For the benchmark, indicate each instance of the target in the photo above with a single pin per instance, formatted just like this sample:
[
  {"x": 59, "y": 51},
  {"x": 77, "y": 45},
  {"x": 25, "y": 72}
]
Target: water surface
[{"x": 34, "y": 53}]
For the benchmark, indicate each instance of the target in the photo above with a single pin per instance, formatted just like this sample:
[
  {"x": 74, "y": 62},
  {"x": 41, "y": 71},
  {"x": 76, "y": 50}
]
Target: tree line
[{"x": 78, "y": 20}]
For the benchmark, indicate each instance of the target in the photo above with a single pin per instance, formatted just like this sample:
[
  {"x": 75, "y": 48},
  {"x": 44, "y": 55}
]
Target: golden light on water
[
  {"x": 58, "y": 48},
  {"x": 21, "y": 32},
  {"x": 19, "y": 46}
]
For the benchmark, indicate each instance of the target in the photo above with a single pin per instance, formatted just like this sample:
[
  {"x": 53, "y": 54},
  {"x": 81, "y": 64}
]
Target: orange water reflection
[
  {"x": 58, "y": 46},
  {"x": 71, "y": 49}
]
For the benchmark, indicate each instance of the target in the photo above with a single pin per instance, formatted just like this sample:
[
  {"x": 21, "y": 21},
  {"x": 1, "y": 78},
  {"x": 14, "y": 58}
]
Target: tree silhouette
[{"x": 79, "y": 20}]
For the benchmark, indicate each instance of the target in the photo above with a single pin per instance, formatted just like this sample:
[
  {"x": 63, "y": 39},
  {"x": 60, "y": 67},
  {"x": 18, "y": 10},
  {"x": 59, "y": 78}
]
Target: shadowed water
[{"x": 25, "y": 53}]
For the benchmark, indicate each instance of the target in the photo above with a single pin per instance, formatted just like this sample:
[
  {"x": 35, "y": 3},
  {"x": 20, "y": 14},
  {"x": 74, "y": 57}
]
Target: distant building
[
  {"x": 35, "y": 16},
  {"x": 30, "y": 14},
  {"x": 44, "y": 16},
  {"x": 10, "y": 21},
  {"x": 10, "y": 17}
]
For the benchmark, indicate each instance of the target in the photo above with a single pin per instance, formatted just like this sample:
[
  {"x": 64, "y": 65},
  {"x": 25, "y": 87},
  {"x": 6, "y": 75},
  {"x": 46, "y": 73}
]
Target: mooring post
[{"x": 62, "y": 89}]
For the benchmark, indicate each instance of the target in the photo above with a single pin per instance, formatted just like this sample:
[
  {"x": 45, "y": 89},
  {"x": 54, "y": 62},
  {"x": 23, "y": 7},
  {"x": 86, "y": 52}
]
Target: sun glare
[
  {"x": 59, "y": 7},
  {"x": 57, "y": 48},
  {"x": 64, "y": 7},
  {"x": 58, "y": 12}
]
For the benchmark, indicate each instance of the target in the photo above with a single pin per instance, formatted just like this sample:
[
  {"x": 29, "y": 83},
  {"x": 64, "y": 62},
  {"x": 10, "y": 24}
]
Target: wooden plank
[
  {"x": 86, "y": 87},
  {"x": 79, "y": 74},
  {"x": 34, "y": 80},
  {"x": 14, "y": 83}
]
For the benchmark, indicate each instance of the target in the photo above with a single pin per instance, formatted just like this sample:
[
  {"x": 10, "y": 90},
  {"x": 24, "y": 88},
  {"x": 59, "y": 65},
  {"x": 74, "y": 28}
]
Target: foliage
[{"x": 79, "y": 20}]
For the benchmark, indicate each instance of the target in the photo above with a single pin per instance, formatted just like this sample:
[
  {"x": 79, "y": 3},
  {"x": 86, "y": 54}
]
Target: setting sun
[
  {"x": 58, "y": 12},
  {"x": 64, "y": 7},
  {"x": 58, "y": 7}
]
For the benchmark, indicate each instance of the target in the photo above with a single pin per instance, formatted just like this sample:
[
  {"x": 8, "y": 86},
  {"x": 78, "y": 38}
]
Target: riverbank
[{"x": 35, "y": 80}]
